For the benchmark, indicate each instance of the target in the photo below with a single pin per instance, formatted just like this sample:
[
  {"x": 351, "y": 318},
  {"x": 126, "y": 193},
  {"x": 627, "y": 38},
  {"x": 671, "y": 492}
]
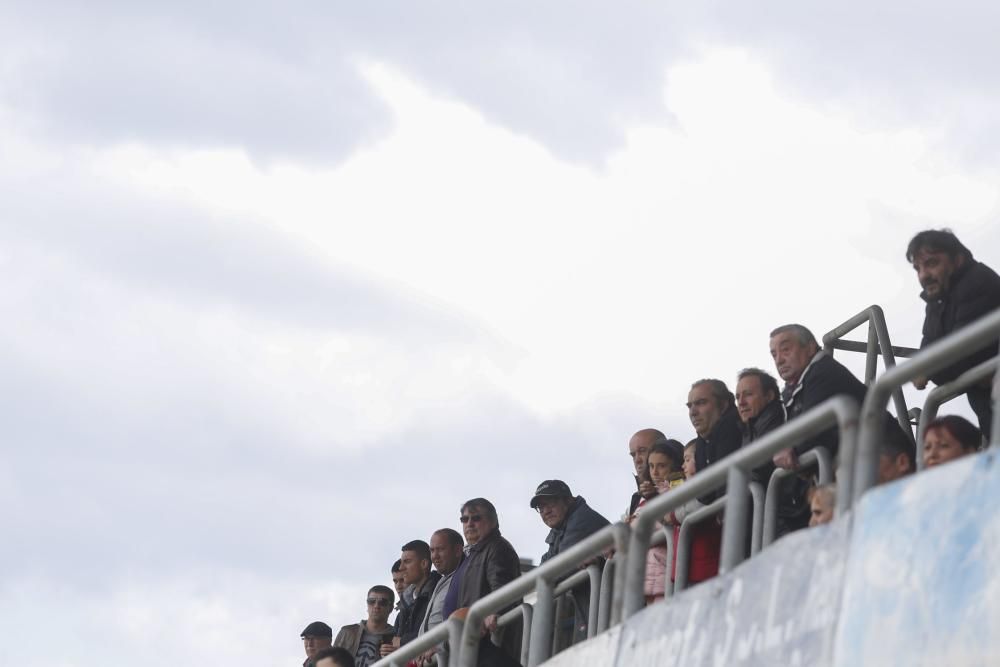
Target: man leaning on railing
[{"x": 958, "y": 290}]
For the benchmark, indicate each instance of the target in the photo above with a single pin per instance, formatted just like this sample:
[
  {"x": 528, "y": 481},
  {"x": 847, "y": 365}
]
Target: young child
[
  {"x": 822, "y": 500},
  {"x": 706, "y": 538},
  {"x": 663, "y": 465}
]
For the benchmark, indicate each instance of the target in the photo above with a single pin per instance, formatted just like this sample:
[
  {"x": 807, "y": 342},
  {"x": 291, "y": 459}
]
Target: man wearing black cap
[
  {"x": 316, "y": 637},
  {"x": 570, "y": 519}
]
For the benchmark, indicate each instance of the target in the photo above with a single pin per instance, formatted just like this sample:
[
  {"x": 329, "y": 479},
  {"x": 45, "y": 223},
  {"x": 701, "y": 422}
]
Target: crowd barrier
[{"x": 616, "y": 590}]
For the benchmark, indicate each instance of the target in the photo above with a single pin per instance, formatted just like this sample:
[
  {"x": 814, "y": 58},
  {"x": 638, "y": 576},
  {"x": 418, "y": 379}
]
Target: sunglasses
[
  {"x": 474, "y": 518},
  {"x": 378, "y": 602}
]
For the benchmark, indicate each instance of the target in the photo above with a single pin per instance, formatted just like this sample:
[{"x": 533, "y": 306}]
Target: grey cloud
[{"x": 283, "y": 83}]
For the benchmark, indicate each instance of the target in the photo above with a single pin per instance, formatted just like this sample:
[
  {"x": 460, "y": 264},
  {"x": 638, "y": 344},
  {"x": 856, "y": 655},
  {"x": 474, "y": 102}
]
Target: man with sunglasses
[
  {"x": 365, "y": 639},
  {"x": 490, "y": 563}
]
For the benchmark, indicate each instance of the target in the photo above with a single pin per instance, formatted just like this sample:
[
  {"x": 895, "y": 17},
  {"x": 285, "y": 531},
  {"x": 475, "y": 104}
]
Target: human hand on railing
[
  {"x": 787, "y": 459},
  {"x": 427, "y": 657},
  {"x": 920, "y": 382},
  {"x": 490, "y": 623}
]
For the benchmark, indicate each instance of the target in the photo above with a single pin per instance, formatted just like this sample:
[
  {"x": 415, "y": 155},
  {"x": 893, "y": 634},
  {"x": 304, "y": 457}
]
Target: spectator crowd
[{"x": 445, "y": 575}]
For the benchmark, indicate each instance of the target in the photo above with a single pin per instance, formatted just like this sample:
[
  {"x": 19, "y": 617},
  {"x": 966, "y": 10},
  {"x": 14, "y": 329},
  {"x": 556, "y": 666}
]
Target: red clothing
[{"x": 706, "y": 545}]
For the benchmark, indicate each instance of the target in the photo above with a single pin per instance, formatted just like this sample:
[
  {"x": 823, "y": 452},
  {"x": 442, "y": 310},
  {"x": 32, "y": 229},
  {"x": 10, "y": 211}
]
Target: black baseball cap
[
  {"x": 551, "y": 488},
  {"x": 317, "y": 629}
]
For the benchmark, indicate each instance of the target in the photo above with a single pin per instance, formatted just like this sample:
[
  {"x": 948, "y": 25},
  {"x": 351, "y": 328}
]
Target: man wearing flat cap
[
  {"x": 316, "y": 637},
  {"x": 570, "y": 519}
]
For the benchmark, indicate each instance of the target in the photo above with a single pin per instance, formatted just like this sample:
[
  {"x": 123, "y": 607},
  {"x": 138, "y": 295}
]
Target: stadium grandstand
[{"x": 892, "y": 562}]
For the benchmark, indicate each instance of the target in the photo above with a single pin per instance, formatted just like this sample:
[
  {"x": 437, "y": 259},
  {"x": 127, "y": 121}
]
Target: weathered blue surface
[
  {"x": 923, "y": 581},
  {"x": 914, "y": 581},
  {"x": 749, "y": 617}
]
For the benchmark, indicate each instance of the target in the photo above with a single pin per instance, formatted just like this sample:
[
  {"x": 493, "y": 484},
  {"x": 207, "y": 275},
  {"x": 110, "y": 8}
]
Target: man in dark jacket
[
  {"x": 713, "y": 415},
  {"x": 415, "y": 564},
  {"x": 638, "y": 450},
  {"x": 758, "y": 401},
  {"x": 811, "y": 376},
  {"x": 958, "y": 290},
  {"x": 570, "y": 519},
  {"x": 490, "y": 563}
]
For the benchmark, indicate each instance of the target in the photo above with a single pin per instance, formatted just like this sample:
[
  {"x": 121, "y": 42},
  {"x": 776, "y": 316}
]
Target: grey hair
[{"x": 803, "y": 334}]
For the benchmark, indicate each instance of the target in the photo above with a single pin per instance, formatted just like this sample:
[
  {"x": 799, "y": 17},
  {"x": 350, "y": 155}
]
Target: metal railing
[
  {"x": 817, "y": 456},
  {"x": 946, "y": 392},
  {"x": 450, "y": 630},
  {"x": 541, "y": 580},
  {"x": 523, "y": 613},
  {"x": 684, "y": 538},
  {"x": 733, "y": 472},
  {"x": 616, "y": 591},
  {"x": 931, "y": 359},
  {"x": 878, "y": 342}
]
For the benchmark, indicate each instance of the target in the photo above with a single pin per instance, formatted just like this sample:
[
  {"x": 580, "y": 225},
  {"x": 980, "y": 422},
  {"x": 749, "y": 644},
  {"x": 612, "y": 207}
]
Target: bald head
[{"x": 638, "y": 447}]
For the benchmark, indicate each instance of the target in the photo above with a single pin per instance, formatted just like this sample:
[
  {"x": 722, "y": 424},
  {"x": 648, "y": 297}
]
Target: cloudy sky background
[{"x": 283, "y": 287}]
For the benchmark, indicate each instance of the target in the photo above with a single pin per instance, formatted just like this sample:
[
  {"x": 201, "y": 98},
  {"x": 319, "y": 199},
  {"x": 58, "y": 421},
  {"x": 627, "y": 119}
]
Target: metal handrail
[
  {"x": 541, "y": 579},
  {"x": 946, "y": 392},
  {"x": 818, "y": 456},
  {"x": 450, "y": 630},
  {"x": 878, "y": 341},
  {"x": 604, "y": 601},
  {"x": 757, "y": 526},
  {"x": 522, "y": 612},
  {"x": 684, "y": 539},
  {"x": 733, "y": 472},
  {"x": 933, "y": 358}
]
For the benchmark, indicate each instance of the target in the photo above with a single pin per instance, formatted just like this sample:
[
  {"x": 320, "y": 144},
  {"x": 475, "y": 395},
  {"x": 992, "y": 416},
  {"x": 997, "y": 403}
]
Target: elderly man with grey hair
[{"x": 811, "y": 376}]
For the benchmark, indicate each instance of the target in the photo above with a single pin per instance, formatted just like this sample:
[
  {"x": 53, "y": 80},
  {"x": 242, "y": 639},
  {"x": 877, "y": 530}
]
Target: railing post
[
  {"x": 735, "y": 525},
  {"x": 595, "y": 599},
  {"x": 683, "y": 557},
  {"x": 607, "y": 583},
  {"x": 623, "y": 538},
  {"x": 557, "y": 618},
  {"x": 668, "y": 585},
  {"x": 635, "y": 568},
  {"x": 871, "y": 355},
  {"x": 527, "y": 616},
  {"x": 889, "y": 361},
  {"x": 541, "y": 624},
  {"x": 757, "y": 525}
]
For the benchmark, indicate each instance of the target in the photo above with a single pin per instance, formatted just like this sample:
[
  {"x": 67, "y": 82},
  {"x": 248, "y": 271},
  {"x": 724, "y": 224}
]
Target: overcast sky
[{"x": 283, "y": 287}]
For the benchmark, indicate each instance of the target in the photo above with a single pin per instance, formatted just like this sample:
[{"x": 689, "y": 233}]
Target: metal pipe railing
[
  {"x": 684, "y": 539},
  {"x": 839, "y": 410},
  {"x": 946, "y": 392},
  {"x": 757, "y": 527},
  {"x": 877, "y": 341},
  {"x": 450, "y": 630},
  {"x": 933, "y": 358},
  {"x": 817, "y": 456},
  {"x": 523, "y": 613},
  {"x": 604, "y": 603},
  {"x": 540, "y": 579},
  {"x": 668, "y": 538}
]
